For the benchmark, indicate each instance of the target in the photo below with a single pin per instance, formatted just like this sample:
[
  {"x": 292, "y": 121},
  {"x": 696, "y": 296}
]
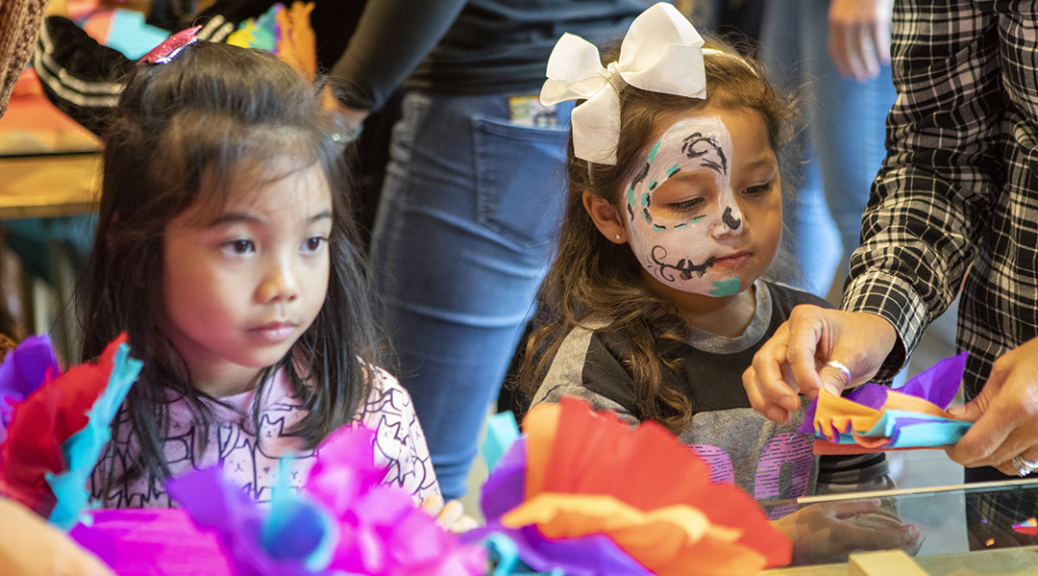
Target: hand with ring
[
  {"x": 816, "y": 348},
  {"x": 859, "y": 36},
  {"x": 1023, "y": 467},
  {"x": 1005, "y": 416}
]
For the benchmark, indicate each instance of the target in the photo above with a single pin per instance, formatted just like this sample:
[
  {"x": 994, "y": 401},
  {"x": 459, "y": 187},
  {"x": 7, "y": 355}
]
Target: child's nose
[
  {"x": 730, "y": 222},
  {"x": 280, "y": 284}
]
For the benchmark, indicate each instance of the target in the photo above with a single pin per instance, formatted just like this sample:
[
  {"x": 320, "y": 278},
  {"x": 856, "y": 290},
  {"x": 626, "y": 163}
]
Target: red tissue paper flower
[{"x": 45, "y": 420}]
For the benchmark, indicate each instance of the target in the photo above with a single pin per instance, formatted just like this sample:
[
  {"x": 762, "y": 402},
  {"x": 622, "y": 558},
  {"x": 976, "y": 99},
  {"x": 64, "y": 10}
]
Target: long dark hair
[
  {"x": 592, "y": 276},
  {"x": 214, "y": 111}
]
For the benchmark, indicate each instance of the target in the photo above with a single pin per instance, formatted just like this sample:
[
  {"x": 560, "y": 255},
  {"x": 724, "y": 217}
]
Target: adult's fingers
[
  {"x": 881, "y": 37},
  {"x": 763, "y": 406},
  {"x": 838, "y": 48},
  {"x": 995, "y": 417},
  {"x": 767, "y": 381},
  {"x": 808, "y": 331},
  {"x": 867, "y": 46},
  {"x": 1022, "y": 441},
  {"x": 1022, "y": 469}
]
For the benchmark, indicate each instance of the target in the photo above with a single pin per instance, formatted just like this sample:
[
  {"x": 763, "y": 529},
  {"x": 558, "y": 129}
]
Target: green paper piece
[{"x": 502, "y": 431}]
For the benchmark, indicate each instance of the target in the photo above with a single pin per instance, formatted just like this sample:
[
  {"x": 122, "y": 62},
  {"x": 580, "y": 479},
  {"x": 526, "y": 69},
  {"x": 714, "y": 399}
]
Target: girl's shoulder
[
  {"x": 399, "y": 440},
  {"x": 387, "y": 395}
]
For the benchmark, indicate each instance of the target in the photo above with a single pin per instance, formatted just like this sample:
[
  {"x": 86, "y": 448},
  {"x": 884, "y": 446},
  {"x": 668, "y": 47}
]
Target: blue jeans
[
  {"x": 469, "y": 211},
  {"x": 846, "y": 127}
]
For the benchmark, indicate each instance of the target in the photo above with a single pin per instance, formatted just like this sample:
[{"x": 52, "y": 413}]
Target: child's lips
[
  {"x": 732, "y": 260},
  {"x": 274, "y": 332}
]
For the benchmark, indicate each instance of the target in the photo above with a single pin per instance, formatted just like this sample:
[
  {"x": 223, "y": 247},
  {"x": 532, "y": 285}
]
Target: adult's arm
[
  {"x": 391, "y": 39},
  {"x": 925, "y": 219}
]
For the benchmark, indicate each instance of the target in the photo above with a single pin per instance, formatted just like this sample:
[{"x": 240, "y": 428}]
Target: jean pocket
[{"x": 520, "y": 179}]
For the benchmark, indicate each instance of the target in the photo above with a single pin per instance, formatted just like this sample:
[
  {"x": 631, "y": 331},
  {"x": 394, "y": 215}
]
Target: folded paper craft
[
  {"x": 875, "y": 418},
  {"x": 587, "y": 494}
]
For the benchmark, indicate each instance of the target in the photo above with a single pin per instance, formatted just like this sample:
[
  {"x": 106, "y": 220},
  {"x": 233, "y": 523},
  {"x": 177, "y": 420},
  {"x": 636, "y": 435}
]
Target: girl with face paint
[{"x": 665, "y": 283}]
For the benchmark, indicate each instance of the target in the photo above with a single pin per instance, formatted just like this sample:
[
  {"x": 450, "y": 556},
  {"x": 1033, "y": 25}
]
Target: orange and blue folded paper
[{"x": 874, "y": 418}]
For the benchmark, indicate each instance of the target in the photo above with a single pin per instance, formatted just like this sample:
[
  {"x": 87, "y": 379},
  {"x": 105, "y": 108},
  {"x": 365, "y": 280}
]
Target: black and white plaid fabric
[{"x": 958, "y": 191}]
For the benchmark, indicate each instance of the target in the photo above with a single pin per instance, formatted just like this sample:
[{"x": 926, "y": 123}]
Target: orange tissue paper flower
[{"x": 590, "y": 473}]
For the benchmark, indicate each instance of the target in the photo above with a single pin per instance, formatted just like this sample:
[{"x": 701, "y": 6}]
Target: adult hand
[
  {"x": 829, "y": 532},
  {"x": 450, "y": 516},
  {"x": 859, "y": 36},
  {"x": 352, "y": 118},
  {"x": 32, "y": 547},
  {"x": 1005, "y": 414},
  {"x": 795, "y": 359}
]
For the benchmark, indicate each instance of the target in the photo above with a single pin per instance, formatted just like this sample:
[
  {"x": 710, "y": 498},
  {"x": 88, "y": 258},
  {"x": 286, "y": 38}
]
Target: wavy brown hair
[
  {"x": 593, "y": 277},
  {"x": 218, "y": 112}
]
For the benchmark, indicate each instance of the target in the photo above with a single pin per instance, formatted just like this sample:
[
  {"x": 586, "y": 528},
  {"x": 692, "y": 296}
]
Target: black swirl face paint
[{"x": 674, "y": 233}]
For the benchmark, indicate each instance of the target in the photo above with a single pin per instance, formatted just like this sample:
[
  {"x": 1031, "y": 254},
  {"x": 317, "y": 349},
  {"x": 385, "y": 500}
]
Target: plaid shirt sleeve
[{"x": 956, "y": 190}]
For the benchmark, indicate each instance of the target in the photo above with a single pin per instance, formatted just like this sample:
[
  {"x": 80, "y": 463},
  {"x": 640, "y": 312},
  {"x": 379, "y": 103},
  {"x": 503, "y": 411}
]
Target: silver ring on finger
[
  {"x": 1022, "y": 465},
  {"x": 843, "y": 370}
]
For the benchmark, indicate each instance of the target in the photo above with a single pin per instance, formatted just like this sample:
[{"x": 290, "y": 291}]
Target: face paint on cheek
[
  {"x": 676, "y": 249},
  {"x": 725, "y": 287}
]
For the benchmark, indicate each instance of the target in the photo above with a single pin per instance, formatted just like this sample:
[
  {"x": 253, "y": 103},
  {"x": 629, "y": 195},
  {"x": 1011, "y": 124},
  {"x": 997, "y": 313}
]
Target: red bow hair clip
[{"x": 170, "y": 47}]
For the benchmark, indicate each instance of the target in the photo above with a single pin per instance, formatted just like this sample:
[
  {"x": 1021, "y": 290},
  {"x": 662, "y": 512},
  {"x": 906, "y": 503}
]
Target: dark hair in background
[
  {"x": 593, "y": 276},
  {"x": 217, "y": 112}
]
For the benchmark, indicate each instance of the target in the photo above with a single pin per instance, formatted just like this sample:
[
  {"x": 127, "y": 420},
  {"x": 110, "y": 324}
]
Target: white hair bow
[{"x": 662, "y": 52}]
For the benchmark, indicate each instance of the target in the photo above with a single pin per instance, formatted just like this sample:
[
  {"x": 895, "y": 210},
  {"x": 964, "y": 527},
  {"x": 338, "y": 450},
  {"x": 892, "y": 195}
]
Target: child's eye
[
  {"x": 686, "y": 205},
  {"x": 239, "y": 247},
  {"x": 758, "y": 190},
  {"x": 314, "y": 244}
]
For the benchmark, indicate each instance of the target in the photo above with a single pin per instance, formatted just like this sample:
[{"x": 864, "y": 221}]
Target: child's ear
[{"x": 605, "y": 216}]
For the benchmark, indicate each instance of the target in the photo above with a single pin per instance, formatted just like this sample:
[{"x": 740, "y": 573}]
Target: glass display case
[{"x": 985, "y": 528}]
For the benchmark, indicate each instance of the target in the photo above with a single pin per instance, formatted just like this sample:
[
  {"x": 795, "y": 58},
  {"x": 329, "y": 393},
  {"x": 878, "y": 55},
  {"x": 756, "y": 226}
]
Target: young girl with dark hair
[
  {"x": 659, "y": 293},
  {"x": 226, "y": 251}
]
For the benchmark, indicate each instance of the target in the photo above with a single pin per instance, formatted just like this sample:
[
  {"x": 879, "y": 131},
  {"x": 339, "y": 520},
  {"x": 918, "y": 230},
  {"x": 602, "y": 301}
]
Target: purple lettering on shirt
[
  {"x": 721, "y": 469},
  {"x": 790, "y": 453}
]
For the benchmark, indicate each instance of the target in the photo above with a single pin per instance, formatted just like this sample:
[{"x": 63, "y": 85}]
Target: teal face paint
[{"x": 725, "y": 287}]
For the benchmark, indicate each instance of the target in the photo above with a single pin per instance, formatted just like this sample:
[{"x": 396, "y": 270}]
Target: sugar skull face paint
[{"x": 682, "y": 212}]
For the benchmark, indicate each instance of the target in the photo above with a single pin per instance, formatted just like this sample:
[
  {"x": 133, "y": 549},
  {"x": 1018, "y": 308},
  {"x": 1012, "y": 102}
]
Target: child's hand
[
  {"x": 31, "y": 546},
  {"x": 450, "y": 516},
  {"x": 829, "y": 532}
]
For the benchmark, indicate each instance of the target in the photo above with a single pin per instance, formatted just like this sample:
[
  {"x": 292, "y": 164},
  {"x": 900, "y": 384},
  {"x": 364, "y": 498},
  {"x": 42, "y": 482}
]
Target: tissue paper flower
[
  {"x": 57, "y": 433},
  {"x": 590, "y": 495},
  {"x": 23, "y": 371},
  {"x": 285, "y": 32},
  {"x": 874, "y": 418},
  {"x": 344, "y": 520}
]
